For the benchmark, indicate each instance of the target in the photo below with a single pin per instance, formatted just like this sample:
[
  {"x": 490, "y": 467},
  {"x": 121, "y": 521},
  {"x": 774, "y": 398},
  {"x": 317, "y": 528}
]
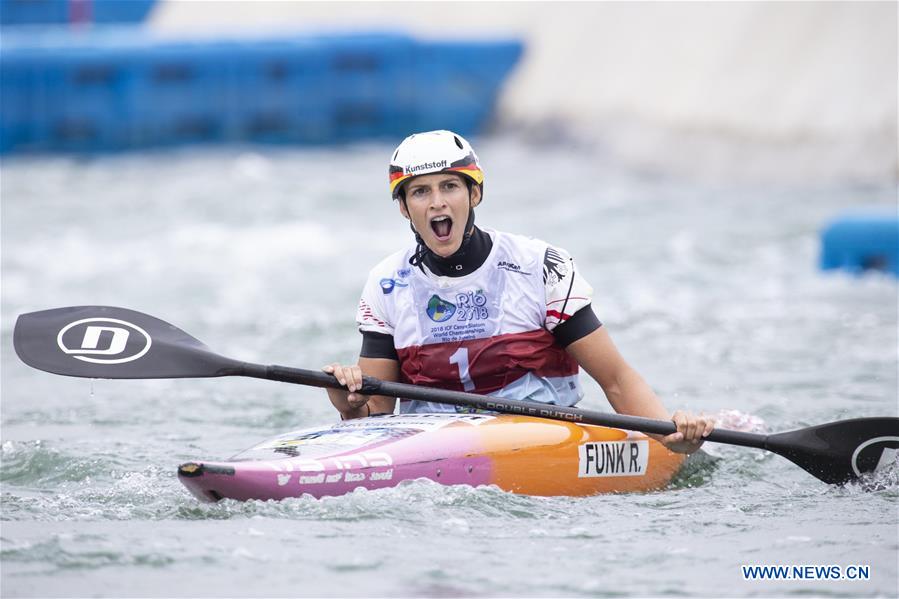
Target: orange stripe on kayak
[{"x": 539, "y": 457}]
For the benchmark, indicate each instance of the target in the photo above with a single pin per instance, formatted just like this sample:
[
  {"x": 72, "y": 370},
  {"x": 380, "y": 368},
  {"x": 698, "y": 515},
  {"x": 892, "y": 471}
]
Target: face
[{"x": 438, "y": 208}]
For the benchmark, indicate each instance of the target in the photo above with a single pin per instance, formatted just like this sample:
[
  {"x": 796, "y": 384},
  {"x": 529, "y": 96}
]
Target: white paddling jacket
[{"x": 487, "y": 332}]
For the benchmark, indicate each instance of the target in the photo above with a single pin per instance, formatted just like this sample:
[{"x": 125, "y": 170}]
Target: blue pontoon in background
[{"x": 105, "y": 88}]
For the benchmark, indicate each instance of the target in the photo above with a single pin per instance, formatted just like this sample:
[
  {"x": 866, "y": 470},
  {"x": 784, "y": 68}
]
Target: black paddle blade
[
  {"x": 840, "y": 451},
  {"x": 112, "y": 343}
]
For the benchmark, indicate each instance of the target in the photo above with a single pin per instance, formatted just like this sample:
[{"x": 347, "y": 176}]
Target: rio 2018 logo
[{"x": 471, "y": 305}]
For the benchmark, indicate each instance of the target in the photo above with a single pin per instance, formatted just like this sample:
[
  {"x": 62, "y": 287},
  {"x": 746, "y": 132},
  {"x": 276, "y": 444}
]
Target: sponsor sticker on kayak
[
  {"x": 359, "y": 434},
  {"x": 421, "y": 422},
  {"x": 613, "y": 458}
]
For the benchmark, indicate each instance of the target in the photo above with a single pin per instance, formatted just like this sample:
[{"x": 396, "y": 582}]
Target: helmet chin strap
[{"x": 422, "y": 250}]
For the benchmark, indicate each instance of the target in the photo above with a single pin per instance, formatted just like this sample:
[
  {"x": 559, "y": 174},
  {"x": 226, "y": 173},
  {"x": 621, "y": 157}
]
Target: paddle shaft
[
  {"x": 139, "y": 346},
  {"x": 374, "y": 386}
]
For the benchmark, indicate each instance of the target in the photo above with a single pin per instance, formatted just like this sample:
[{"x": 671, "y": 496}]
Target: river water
[{"x": 710, "y": 290}]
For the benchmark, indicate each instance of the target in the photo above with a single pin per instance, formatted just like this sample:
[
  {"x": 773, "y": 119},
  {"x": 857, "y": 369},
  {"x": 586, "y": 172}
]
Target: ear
[
  {"x": 475, "y": 195},
  {"x": 403, "y": 210}
]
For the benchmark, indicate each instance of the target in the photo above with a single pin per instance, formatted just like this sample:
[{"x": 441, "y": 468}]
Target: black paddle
[{"x": 116, "y": 343}]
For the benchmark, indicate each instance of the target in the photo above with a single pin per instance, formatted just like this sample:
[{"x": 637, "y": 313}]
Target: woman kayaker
[{"x": 473, "y": 309}]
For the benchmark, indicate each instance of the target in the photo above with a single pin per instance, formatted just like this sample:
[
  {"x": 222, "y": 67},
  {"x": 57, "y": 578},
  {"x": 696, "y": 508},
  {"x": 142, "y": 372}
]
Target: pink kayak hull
[{"x": 516, "y": 453}]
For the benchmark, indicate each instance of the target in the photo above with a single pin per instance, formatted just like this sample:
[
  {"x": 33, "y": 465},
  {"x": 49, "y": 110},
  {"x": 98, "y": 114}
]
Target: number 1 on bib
[{"x": 460, "y": 359}]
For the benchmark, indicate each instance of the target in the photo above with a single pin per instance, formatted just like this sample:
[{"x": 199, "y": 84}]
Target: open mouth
[{"x": 442, "y": 226}]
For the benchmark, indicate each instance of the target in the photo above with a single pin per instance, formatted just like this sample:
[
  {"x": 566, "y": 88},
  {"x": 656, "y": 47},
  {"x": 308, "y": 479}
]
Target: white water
[{"x": 711, "y": 291}]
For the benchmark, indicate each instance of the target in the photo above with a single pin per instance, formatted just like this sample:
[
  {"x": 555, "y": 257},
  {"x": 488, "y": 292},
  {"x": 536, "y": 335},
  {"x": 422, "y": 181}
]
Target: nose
[{"x": 437, "y": 198}]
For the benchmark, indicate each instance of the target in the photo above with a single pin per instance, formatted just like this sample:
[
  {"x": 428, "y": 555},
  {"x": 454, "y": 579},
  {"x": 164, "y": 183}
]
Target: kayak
[{"x": 519, "y": 454}]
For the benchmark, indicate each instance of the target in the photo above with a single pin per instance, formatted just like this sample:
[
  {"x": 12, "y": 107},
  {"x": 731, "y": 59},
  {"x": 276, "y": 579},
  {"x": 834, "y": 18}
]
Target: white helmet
[{"x": 433, "y": 152}]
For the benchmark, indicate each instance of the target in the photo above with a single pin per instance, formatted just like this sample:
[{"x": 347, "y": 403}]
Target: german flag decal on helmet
[{"x": 433, "y": 152}]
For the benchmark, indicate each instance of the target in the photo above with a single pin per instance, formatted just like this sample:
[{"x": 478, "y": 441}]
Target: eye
[
  {"x": 451, "y": 185},
  {"x": 418, "y": 192}
]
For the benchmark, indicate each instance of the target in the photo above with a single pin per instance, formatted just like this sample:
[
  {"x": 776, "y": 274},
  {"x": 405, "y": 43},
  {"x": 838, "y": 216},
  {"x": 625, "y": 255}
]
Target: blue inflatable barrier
[
  {"x": 46, "y": 12},
  {"x": 114, "y": 89},
  {"x": 862, "y": 240},
  {"x": 464, "y": 76},
  {"x": 273, "y": 98}
]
